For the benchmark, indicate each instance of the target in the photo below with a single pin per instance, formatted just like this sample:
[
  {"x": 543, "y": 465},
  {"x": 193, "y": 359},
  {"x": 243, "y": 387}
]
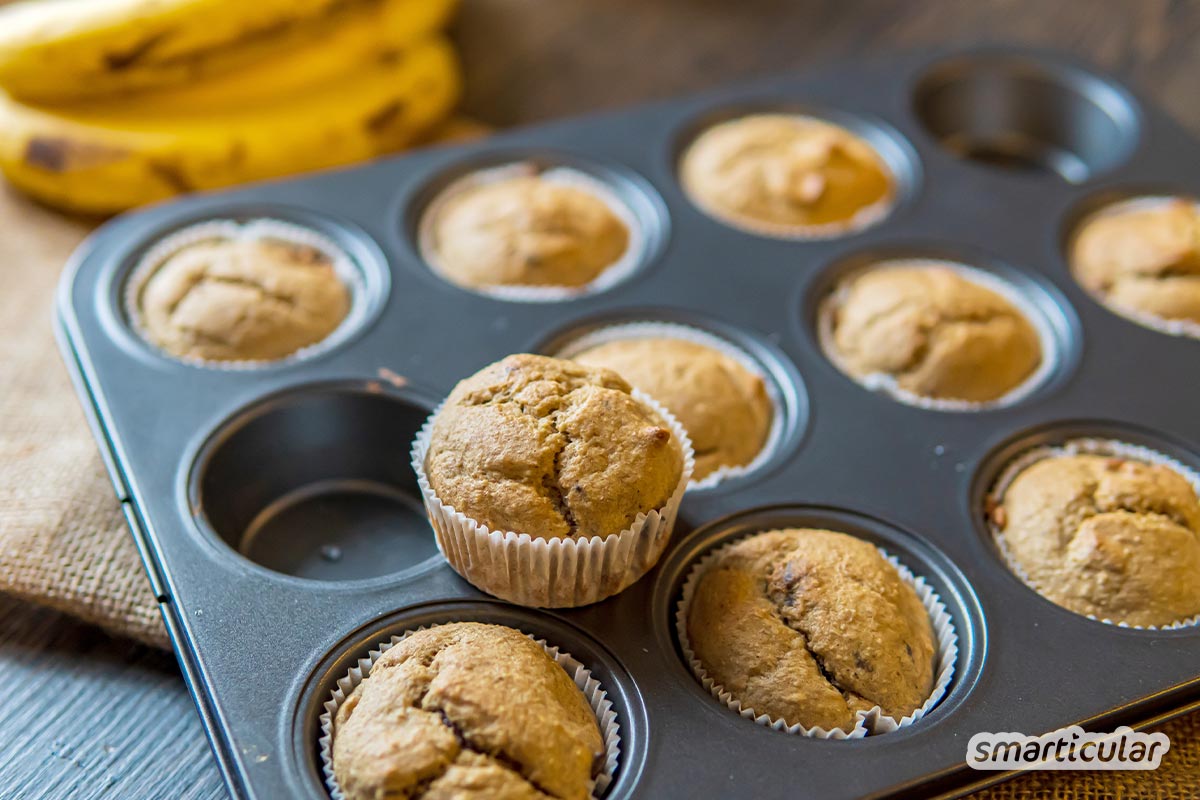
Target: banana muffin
[
  {"x": 257, "y": 299},
  {"x": 525, "y": 230},
  {"x": 936, "y": 333},
  {"x": 1114, "y": 538},
  {"x": 1143, "y": 258},
  {"x": 551, "y": 448},
  {"x": 786, "y": 172},
  {"x": 811, "y": 626},
  {"x": 466, "y": 710},
  {"x": 723, "y": 406}
]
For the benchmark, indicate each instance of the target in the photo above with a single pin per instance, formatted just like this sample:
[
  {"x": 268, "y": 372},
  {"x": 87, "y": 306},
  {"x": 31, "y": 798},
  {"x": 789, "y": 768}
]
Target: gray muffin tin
[{"x": 998, "y": 153}]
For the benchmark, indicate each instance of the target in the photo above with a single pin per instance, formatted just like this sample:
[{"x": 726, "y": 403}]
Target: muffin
[
  {"x": 252, "y": 299},
  {"x": 787, "y": 173},
  {"x": 1143, "y": 259},
  {"x": 1113, "y": 538},
  {"x": 811, "y": 626},
  {"x": 935, "y": 333},
  {"x": 466, "y": 710},
  {"x": 723, "y": 405},
  {"x": 531, "y": 230},
  {"x": 548, "y": 483}
]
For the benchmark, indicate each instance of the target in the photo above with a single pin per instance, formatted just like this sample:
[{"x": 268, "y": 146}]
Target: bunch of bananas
[{"x": 110, "y": 104}]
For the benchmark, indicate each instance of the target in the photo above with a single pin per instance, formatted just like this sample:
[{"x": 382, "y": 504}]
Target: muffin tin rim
[{"x": 204, "y": 445}]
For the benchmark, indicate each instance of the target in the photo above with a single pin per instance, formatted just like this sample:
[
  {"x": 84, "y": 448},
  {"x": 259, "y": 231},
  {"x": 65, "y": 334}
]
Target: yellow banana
[
  {"x": 54, "y": 51},
  {"x": 105, "y": 158}
]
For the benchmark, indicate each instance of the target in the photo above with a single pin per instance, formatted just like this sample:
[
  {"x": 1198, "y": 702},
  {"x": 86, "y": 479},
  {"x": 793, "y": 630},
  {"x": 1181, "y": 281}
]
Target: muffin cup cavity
[
  {"x": 305, "y": 483},
  {"x": 889, "y": 147},
  {"x": 687, "y": 333},
  {"x": 1171, "y": 327},
  {"x": 593, "y": 691},
  {"x": 620, "y": 270},
  {"x": 1020, "y": 114},
  {"x": 1083, "y": 445},
  {"x": 867, "y": 723},
  {"x": 1048, "y": 339},
  {"x": 347, "y": 270},
  {"x": 551, "y": 573}
]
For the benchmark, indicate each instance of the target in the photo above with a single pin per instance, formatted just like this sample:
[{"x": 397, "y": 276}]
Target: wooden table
[{"x": 85, "y": 716}]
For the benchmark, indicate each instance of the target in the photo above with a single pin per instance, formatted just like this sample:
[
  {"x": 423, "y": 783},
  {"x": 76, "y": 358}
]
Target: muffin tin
[{"x": 280, "y": 524}]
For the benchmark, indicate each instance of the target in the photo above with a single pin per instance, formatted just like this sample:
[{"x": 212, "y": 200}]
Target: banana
[
  {"x": 106, "y": 157},
  {"x": 57, "y": 51}
]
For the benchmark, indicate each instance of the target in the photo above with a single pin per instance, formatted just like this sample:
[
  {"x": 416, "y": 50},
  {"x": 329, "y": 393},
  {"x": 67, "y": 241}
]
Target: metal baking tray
[{"x": 999, "y": 152}]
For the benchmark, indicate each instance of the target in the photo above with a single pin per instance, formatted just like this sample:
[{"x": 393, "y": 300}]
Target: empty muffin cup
[
  {"x": 791, "y": 175},
  {"x": 1109, "y": 518},
  {"x": 1140, "y": 258},
  {"x": 234, "y": 295},
  {"x": 1007, "y": 325},
  {"x": 531, "y": 233},
  {"x": 763, "y": 419},
  {"x": 867, "y": 722},
  {"x": 592, "y": 690}
]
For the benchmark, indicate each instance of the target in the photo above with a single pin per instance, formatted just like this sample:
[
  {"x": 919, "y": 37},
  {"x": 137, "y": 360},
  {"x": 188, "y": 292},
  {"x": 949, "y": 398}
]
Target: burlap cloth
[{"x": 64, "y": 544}]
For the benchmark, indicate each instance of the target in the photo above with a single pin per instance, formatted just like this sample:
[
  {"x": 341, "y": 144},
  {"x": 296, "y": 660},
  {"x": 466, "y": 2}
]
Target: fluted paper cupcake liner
[
  {"x": 231, "y": 230},
  {"x": 1084, "y": 445},
  {"x": 551, "y": 573},
  {"x": 687, "y": 333},
  {"x": 886, "y": 383},
  {"x": 869, "y": 722},
  {"x": 1171, "y": 327},
  {"x": 610, "y": 276},
  {"x": 593, "y": 691}
]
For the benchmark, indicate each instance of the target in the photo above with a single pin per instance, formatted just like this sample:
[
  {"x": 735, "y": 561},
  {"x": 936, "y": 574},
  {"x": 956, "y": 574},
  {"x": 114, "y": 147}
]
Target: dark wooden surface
[{"x": 85, "y": 716}]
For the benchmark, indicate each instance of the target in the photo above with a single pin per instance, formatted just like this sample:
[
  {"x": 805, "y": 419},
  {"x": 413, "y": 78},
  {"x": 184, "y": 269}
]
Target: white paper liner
[
  {"x": 610, "y": 276},
  {"x": 870, "y": 722},
  {"x": 862, "y": 219},
  {"x": 687, "y": 333},
  {"x": 1171, "y": 327},
  {"x": 230, "y": 230},
  {"x": 1084, "y": 445},
  {"x": 886, "y": 383},
  {"x": 551, "y": 573},
  {"x": 606, "y": 717}
]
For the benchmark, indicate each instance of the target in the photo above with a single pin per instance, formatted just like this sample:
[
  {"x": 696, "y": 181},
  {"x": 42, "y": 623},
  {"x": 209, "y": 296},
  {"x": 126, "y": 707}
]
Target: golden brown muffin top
[
  {"x": 238, "y": 300},
  {"x": 526, "y": 230},
  {"x": 785, "y": 170},
  {"x": 811, "y": 626},
  {"x": 1114, "y": 538},
  {"x": 551, "y": 448},
  {"x": 937, "y": 333},
  {"x": 466, "y": 710},
  {"x": 1143, "y": 259},
  {"x": 723, "y": 406}
]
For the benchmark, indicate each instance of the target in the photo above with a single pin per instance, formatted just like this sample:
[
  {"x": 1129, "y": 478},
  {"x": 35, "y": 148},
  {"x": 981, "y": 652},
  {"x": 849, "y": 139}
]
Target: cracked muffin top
[
  {"x": 241, "y": 300},
  {"x": 551, "y": 448},
  {"x": 723, "y": 406},
  {"x": 466, "y": 710},
  {"x": 785, "y": 170},
  {"x": 938, "y": 334},
  {"x": 525, "y": 231},
  {"x": 811, "y": 626},
  {"x": 1114, "y": 538},
  {"x": 1143, "y": 260}
]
